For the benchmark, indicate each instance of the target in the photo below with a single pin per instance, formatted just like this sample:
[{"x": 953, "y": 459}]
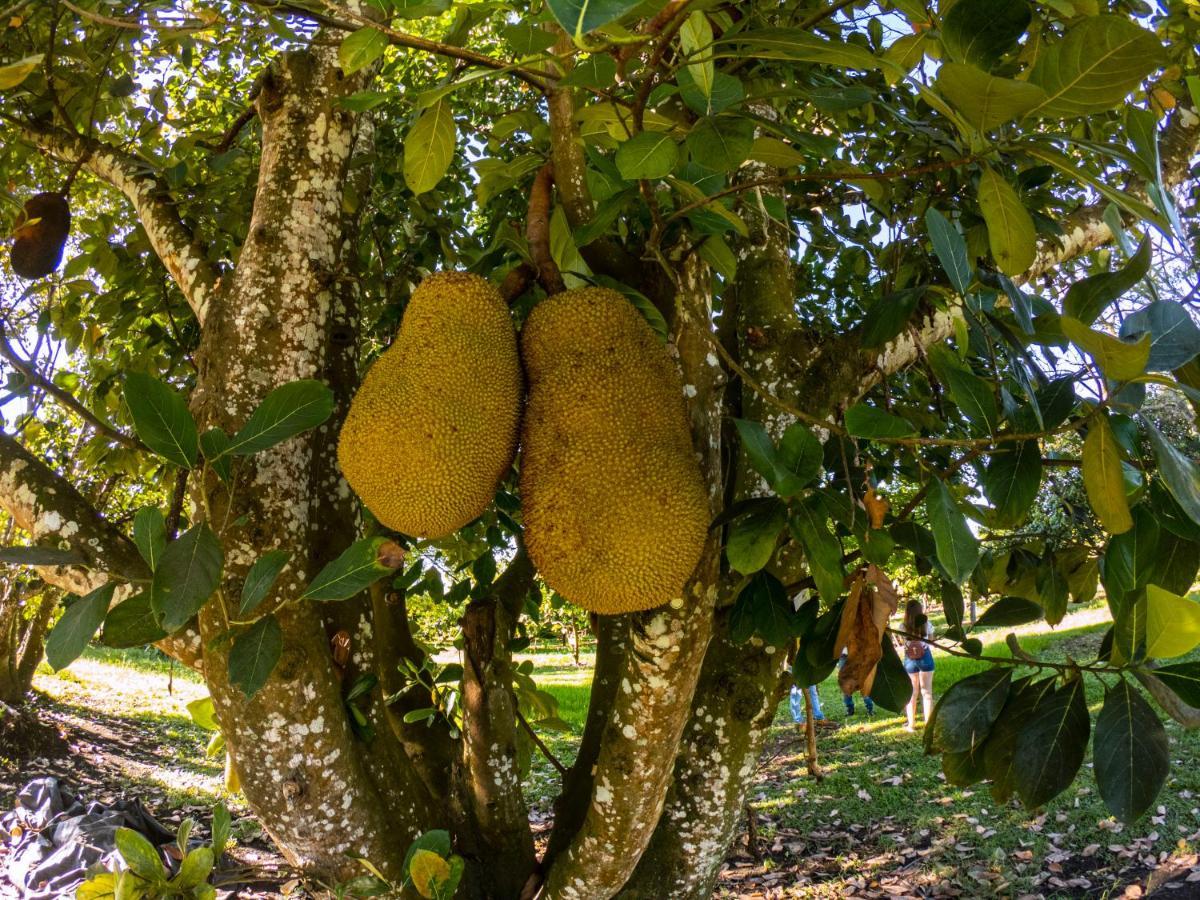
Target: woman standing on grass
[{"x": 918, "y": 661}]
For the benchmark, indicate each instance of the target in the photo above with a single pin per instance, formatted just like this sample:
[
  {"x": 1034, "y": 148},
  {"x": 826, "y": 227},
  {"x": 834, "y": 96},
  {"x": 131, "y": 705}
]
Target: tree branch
[
  {"x": 537, "y": 231},
  {"x": 180, "y": 251},
  {"x": 32, "y": 375}
]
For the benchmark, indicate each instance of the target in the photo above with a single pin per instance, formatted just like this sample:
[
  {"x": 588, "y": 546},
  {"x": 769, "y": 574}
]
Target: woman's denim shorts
[{"x": 924, "y": 664}]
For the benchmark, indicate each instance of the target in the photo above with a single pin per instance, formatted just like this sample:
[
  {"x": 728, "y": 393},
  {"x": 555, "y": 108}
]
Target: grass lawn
[{"x": 881, "y": 821}]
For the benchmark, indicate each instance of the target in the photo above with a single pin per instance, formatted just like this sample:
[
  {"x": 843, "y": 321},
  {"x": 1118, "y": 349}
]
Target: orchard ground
[{"x": 881, "y": 822}]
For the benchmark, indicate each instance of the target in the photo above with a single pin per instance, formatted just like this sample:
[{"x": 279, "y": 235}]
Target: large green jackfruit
[
  {"x": 611, "y": 491},
  {"x": 433, "y": 429}
]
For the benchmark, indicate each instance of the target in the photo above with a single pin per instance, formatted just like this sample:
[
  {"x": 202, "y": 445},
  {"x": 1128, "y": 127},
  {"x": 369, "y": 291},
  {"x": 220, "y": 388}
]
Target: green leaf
[
  {"x": 161, "y": 419},
  {"x": 774, "y": 152},
  {"x": 578, "y": 17},
  {"x": 763, "y": 608},
  {"x": 981, "y": 31},
  {"x": 753, "y": 537},
  {"x": 1051, "y": 745},
  {"x": 1179, "y": 474},
  {"x": 892, "y": 688},
  {"x": 695, "y": 38},
  {"x": 984, "y": 100},
  {"x": 964, "y": 769},
  {"x": 871, "y": 422},
  {"x": 204, "y": 714},
  {"x": 650, "y": 154},
  {"x": 1174, "y": 337},
  {"x": 1123, "y": 199},
  {"x": 888, "y": 315},
  {"x": 1012, "y": 479},
  {"x": 957, "y": 547},
  {"x": 78, "y": 624},
  {"x": 1088, "y": 298},
  {"x": 1183, "y": 679},
  {"x": 140, "y": 856},
  {"x": 186, "y": 577},
  {"x": 261, "y": 577},
  {"x": 999, "y": 753},
  {"x": 194, "y": 869},
  {"x": 14, "y": 73},
  {"x": 1009, "y": 611},
  {"x": 720, "y": 145},
  {"x": 355, "y": 570},
  {"x": 1172, "y": 624},
  {"x": 950, "y": 248},
  {"x": 1053, "y": 589},
  {"x": 215, "y": 444},
  {"x": 965, "y": 713},
  {"x": 429, "y": 148},
  {"x": 800, "y": 452},
  {"x": 821, "y": 550},
  {"x": 726, "y": 91},
  {"x": 1099, "y": 61},
  {"x": 1102, "y": 476},
  {"x": 973, "y": 395},
  {"x": 288, "y": 410},
  {"x": 775, "y": 465},
  {"x": 1120, "y": 361},
  {"x": 150, "y": 534},
  {"x": 131, "y": 623},
  {"x": 254, "y": 654},
  {"x": 801, "y": 46},
  {"x": 361, "y": 48},
  {"x": 222, "y": 827},
  {"x": 1011, "y": 233},
  {"x": 1130, "y": 753}
]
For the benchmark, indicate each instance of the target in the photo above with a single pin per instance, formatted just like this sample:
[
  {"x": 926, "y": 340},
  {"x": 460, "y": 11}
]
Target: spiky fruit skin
[
  {"x": 434, "y": 427},
  {"x": 38, "y": 247},
  {"x": 613, "y": 500}
]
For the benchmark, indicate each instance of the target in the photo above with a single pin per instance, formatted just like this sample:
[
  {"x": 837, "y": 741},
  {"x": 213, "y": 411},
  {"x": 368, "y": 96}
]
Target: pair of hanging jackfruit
[{"x": 613, "y": 501}]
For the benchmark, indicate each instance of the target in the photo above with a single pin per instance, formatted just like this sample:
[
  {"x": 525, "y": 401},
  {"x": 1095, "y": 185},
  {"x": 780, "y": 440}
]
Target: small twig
[
  {"x": 234, "y": 129},
  {"x": 537, "y": 231},
  {"x": 176, "y": 511},
  {"x": 537, "y": 741},
  {"x": 33, "y": 376},
  {"x": 822, "y": 14},
  {"x": 132, "y": 25},
  {"x": 810, "y": 738}
]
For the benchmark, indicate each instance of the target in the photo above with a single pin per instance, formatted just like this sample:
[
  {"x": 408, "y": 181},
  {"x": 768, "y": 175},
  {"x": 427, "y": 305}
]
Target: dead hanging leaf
[
  {"x": 862, "y": 628},
  {"x": 390, "y": 554},
  {"x": 428, "y": 872},
  {"x": 849, "y": 614},
  {"x": 877, "y": 507}
]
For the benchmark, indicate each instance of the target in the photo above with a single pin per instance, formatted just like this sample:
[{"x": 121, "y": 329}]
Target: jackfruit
[
  {"x": 613, "y": 500},
  {"x": 41, "y": 232},
  {"x": 433, "y": 428}
]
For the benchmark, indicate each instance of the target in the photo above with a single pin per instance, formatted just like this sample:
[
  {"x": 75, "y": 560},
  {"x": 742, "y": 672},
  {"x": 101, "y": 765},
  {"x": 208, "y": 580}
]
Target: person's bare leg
[
  {"x": 911, "y": 709},
  {"x": 926, "y": 695}
]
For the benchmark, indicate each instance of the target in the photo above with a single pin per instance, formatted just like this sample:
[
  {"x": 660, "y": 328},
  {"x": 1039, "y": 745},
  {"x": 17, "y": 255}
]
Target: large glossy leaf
[
  {"x": 1099, "y": 61},
  {"x": 752, "y": 538},
  {"x": 1179, "y": 473},
  {"x": 871, "y": 422},
  {"x": 161, "y": 419},
  {"x": 985, "y": 100},
  {"x": 981, "y": 31},
  {"x": 150, "y": 534},
  {"x": 1183, "y": 679},
  {"x": 1102, "y": 477},
  {"x": 13, "y": 74},
  {"x": 950, "y": 248},
  {"x": 721, "y": 144},
  {"x": 1009, "y": 611},
  {"x": 966, "y": 711},
  {"x": 140, "y": 855},
  {"x": 1174, "y": 336},
  {"x": 1088, "y": 298},
  {"x": 888, "y": 315},
  {"x": 892, "y": 688},
  {"x": 651, "y": 154},
  {"x": 579, "y": 17},
  {"x": 1011, "y": 233},
  {"x": 695, "y": 38},
  {"x": 974, "y": 395},
  {"x": 132, "y": 623},
  {"x": 261, "y": 577},
  {"x": 999, "y": 752},
  {"x": 1011, "y": 480},
  {"x": 361, "y": 48},
  {"x": 287, "y": 411},
  {"x": 800, "y": 46},
  {"x": 763, "y": 608},
  {"x": 1051, "y": 745},
  {"x": 1053, "y": 589},
  {"x": 821, "y": 549},
  {"x": 254, "y": 654},
  {"x": 1130, "y": 753},
  {"x": 786, "y": 469},
  {"x": 354, "y": 570},
  {"x": 957, "y": 547},
  {"x": 429, "y": 147},
  {"x": 1172, "y": 624},
  {"x": 1117, "y": 359},
  {"x": 76, "y": 627},
  {"x": 186, "y": 577}
]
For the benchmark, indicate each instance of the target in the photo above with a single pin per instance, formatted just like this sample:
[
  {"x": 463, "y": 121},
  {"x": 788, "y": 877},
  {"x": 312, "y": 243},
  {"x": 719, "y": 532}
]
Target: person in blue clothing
[
  {"x": 918, "y": 661},
  {"x": 796, "y": 702}
]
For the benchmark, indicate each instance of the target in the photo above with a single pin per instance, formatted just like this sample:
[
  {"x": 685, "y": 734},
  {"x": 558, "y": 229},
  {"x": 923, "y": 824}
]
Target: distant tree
[{"x": 885, "y": 244}]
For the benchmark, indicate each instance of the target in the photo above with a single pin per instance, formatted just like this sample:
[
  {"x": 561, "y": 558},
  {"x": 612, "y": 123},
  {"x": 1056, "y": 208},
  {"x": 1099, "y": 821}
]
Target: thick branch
[
  {"x": 537, "y": 231},
  {"x": 180, "y": 251}
]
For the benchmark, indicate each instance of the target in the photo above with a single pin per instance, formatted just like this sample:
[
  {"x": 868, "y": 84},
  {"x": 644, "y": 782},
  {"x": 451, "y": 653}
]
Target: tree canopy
[{"x": 926, "y": 270}]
